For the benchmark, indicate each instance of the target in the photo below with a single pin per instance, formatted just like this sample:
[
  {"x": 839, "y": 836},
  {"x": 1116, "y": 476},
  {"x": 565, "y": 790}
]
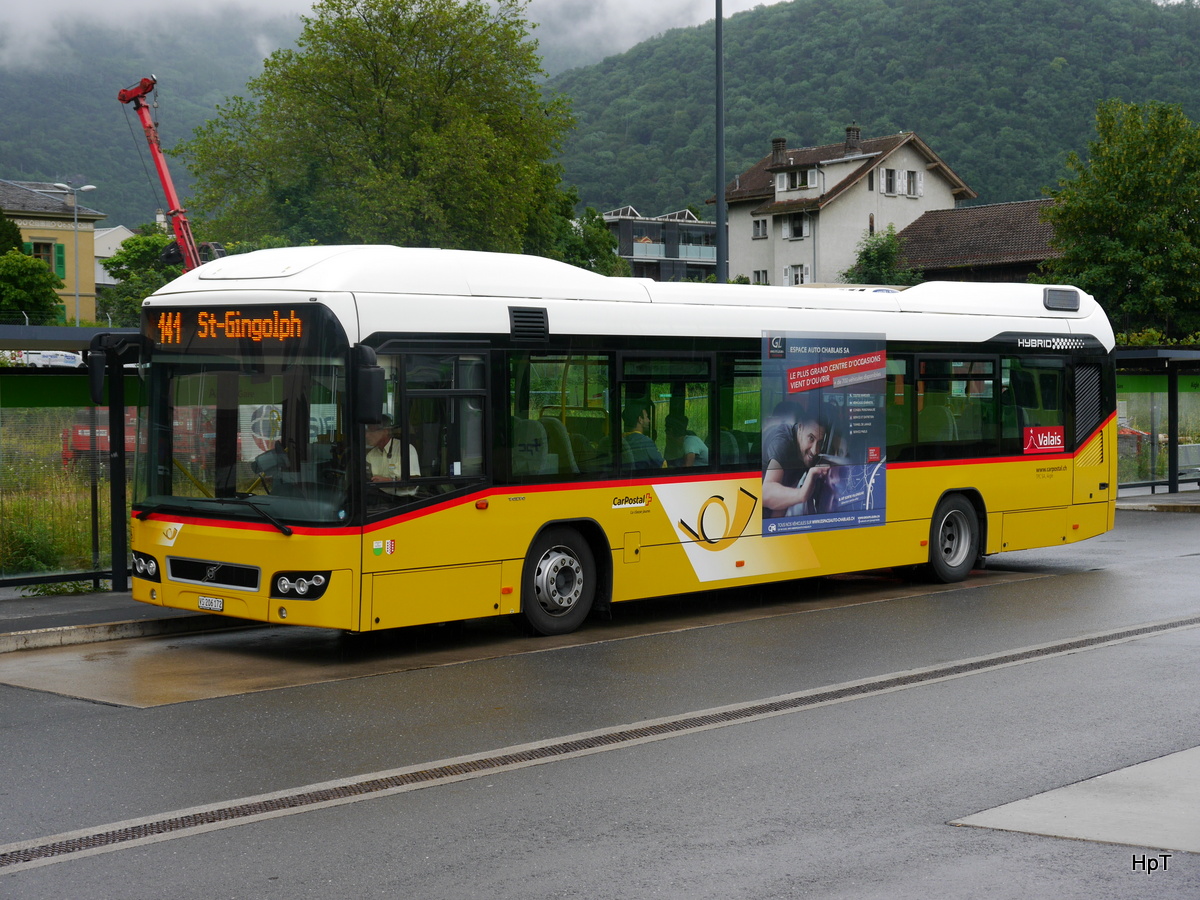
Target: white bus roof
[{"x": 379, "y": 276}]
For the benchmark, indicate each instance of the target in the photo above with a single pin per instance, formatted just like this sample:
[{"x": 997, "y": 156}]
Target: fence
[{"x": 55, "y": 515}]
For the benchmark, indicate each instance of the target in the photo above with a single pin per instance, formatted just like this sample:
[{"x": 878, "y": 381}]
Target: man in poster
[{"x": 791, "y": 475}]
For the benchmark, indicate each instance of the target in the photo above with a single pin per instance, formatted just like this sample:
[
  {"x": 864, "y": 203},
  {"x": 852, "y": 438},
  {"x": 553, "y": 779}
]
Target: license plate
[{"x": 212, "y": 604}]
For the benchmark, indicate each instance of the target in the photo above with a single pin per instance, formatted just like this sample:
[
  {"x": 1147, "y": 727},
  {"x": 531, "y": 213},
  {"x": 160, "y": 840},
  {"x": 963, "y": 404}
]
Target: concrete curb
[
  {"x": 69, "y": 635},
  {"x": 1152, "y": 506}
]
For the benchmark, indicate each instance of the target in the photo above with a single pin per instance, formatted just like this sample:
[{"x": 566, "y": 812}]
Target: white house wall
[{"x": 836, "y": 231}]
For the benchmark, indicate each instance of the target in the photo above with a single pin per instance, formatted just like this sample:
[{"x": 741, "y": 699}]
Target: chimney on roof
[
  {"x": 853, "y": 139},
  {"x": 778, "y": 150}
]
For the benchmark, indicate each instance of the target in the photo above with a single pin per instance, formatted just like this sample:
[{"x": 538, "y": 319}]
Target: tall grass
[{"x": 46, "y": 510}]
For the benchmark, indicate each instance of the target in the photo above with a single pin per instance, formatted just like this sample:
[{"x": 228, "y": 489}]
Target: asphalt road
[{"x": 589, "y": 774}]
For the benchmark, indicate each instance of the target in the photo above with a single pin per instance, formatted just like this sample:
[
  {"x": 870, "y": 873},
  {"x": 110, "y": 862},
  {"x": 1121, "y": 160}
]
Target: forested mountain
[
  {"x": 1000, "y": 89},
  {"x": 60, "y": 118}
]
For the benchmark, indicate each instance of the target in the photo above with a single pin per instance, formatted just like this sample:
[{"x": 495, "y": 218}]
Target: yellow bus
[{"x": 371, "y": 437}]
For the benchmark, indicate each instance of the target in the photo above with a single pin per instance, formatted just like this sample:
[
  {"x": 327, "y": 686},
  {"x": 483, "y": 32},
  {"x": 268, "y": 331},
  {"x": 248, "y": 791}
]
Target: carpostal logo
[
  {"x": 633, "y": 502},
  {"x": 720, "y": 529},
  {"x": 1044, "y": 439}
]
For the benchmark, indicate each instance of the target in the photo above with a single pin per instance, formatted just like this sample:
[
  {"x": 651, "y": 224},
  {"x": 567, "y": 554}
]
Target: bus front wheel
[
  {"x": 953, "y": 539},
  {"x": 559, "y": 582}
]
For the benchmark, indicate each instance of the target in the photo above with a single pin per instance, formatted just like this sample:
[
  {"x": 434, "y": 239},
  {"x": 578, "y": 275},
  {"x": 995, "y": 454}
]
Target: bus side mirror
[
  {"x": 96, "y": 361},
  {"x": 372, "y": 387}
]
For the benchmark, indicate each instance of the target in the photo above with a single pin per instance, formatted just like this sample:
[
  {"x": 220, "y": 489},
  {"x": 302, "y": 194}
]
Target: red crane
[{"x": 179, "y": 222}]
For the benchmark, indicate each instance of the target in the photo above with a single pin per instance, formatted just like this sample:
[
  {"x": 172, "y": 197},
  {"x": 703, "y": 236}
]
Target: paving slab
[{"x": 1155, "y": 804}]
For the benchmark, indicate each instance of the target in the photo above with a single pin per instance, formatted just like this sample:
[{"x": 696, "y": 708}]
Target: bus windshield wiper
[
  {"x": 284, "y": 529},
  {"x": 170, "y": 507}
]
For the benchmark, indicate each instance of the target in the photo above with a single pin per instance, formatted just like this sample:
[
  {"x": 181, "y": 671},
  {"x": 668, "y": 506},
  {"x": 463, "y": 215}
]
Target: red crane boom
[{"x": 179, "y": 222}]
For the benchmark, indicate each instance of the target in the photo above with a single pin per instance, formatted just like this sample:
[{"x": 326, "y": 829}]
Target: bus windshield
[{"x": 238, "y": 423}]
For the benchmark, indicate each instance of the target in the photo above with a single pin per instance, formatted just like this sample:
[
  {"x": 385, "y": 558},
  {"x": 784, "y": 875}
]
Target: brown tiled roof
[
  {"x": 1002, "y": 233},
  {"x": 758, "y": 182}
]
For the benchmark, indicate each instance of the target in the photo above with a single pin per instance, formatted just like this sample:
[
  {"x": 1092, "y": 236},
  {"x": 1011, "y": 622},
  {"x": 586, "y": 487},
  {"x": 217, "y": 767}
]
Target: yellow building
[{"x": 56, "y": 231}]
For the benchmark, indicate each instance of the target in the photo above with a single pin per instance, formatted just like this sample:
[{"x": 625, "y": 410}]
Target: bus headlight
[
  {"x": 299, "y": 585},
  {"x": 145, "y": 566}
]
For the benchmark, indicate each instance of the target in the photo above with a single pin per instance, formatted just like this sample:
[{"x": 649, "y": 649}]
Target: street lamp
[{"x": 74, "y": 192}]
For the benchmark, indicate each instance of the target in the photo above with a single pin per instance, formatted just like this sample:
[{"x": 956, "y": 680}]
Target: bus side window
[
  {"x": 1031, "y": 395},
  {"x": 557, "y": 415},
  {"x": 899, "y": 408},
  {"x": 739, "y": 413}
]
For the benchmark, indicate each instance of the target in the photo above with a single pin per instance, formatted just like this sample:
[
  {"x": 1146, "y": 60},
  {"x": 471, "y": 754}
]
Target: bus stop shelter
[{"x": 1158, "y": 405}]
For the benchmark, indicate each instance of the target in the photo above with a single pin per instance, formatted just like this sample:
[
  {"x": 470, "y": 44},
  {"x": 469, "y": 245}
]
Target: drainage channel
[{"x": 138, "y": 832}]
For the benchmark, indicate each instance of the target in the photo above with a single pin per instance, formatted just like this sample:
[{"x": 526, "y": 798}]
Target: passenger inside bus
[
  {"x": 684, "y": 447},
  {"x": 638, "y": 450}
]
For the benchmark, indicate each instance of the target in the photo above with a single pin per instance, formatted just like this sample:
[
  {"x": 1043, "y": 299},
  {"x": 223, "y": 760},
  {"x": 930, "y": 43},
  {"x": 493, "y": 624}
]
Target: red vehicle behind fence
[{"x": 78, "y": 443}]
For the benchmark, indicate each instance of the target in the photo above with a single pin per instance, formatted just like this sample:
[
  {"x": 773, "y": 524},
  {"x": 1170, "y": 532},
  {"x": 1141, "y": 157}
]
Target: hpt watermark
[{"x": 1148, "y": 864}]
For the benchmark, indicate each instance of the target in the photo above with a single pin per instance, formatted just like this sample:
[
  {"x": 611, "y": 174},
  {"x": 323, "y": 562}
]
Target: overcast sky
[{"x": 609, "y": 26}]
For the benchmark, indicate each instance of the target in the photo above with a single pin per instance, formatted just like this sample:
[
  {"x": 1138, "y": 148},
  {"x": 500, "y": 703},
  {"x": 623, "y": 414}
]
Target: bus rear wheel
[
  {"x": 558, "y": 584},
  {"x": 953, "y": 539}
]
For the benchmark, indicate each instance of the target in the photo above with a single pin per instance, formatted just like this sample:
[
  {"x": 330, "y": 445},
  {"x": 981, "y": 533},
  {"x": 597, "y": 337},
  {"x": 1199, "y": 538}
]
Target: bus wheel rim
[
  {"x": 558, "y": 581},
  {"x": 953, "y": 538}
]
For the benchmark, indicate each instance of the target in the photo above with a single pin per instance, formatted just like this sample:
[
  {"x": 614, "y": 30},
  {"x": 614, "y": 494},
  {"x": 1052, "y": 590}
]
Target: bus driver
[{"x": 383, "y": 454}]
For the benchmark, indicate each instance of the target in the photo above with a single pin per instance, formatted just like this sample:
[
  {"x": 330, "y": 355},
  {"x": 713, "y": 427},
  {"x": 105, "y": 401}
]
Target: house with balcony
[
  {"x": 55, "y": 231},
  {"x": 797, "y": 215},
  {"x": 674, "y": 247}
]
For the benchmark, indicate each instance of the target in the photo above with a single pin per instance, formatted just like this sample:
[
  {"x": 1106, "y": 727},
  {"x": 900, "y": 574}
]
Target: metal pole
[
  {"x": 722, "y": 234},
  {"x": 75, "y": 210}
]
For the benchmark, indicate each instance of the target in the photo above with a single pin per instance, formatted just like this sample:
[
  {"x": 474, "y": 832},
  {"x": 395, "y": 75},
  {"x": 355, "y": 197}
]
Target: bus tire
[
  {"x": 558, "y": 584},
  {"x": 953, "y": 539}
]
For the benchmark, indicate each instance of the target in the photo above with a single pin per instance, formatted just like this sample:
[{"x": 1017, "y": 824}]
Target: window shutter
[
  {"x": 787, "y": 227},
  {"x": 27, "y": 248},
  {"x": 60, "y": 261},
  {"x": 780, "y": 182},
  {"x": 920, "y": 184}
]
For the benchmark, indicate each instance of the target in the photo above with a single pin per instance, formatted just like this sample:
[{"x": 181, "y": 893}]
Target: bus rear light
[{"x": 299, "y": 585}]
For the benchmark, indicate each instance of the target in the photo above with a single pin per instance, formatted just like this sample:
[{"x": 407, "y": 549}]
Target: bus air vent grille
[{"x": 529, "y": 323}]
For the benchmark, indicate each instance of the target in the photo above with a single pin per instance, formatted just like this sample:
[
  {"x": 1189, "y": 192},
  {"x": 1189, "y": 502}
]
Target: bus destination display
[{"x": 189, "y": 327}]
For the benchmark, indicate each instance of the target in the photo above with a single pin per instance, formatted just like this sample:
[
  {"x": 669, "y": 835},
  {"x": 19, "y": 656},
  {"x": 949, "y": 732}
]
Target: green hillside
[
  {"x": 1000, "y": 89},
  {"x": 61, "y": 119}
]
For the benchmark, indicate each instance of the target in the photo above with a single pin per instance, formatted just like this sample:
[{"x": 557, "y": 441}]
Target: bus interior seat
[
  {"x": 935, "y": 421},
  {"x": 731, "y": 451},
  {"x": 560, "y": 444},
  {"x": 530, "y": 449}
]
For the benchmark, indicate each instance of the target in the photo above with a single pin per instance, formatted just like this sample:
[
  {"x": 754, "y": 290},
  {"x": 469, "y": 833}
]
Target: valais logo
[{"x": 1044, "y": 439}]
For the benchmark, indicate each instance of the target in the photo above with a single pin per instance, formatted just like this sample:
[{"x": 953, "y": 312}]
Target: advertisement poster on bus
[{"x": 824, "y": 435}]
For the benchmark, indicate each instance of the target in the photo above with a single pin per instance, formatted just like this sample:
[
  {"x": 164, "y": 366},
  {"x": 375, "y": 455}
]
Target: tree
[
  {"x": 880, "y": 261},
  {"x": 27, "y": 289},
  {"x": 140, "y": 271},
  {"x": 10, "y": 235},
  {"x": 415, "y": 122},
  {"x": 1127, "y": 225}
]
